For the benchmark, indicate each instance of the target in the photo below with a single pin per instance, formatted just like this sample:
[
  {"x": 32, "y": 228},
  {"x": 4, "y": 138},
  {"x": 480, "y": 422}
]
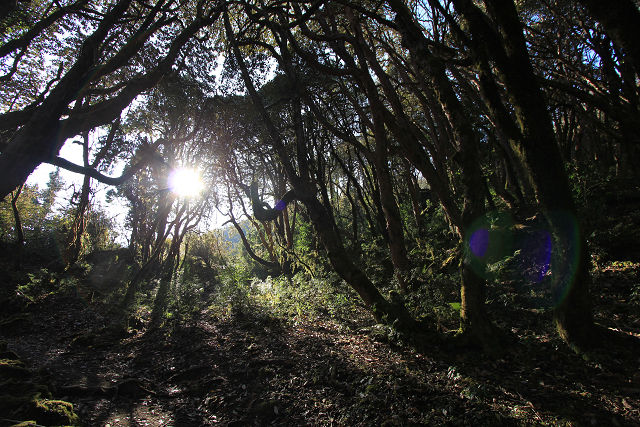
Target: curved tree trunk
[
  {"x": 305, "y": 192},
  {"x": 38, "y": 140},
  {"x": 383, "y": 310}
]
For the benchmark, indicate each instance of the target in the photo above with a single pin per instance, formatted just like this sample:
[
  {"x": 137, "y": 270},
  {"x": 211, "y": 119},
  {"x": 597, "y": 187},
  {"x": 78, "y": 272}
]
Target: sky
[{"x": 116, "y": 210}]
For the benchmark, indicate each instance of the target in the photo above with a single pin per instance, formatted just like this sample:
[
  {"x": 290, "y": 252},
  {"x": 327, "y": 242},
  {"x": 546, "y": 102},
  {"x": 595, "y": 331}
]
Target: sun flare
[{"x": 186, "y": 182}]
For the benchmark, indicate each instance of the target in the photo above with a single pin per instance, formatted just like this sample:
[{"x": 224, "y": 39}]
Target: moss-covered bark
[
  {"x": 474, "y": 320},
  {"x": 533, "y": 142}
]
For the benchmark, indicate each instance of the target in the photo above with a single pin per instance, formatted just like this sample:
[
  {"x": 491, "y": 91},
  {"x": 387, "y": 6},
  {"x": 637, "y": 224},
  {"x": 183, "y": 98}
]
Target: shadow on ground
[{"x": 253, "y": 369}]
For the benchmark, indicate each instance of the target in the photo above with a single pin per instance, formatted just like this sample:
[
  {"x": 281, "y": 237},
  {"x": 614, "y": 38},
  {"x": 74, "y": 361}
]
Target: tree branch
[{"x": 247, "y": 245}]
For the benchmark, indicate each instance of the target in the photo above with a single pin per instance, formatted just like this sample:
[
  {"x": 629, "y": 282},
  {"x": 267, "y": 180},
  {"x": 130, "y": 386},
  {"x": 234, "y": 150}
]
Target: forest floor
[{"x": 251, "y": 368}]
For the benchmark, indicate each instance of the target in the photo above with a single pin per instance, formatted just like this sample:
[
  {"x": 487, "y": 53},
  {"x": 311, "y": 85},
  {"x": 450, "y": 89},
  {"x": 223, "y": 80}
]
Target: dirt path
[{"x": 256, "y": 370}]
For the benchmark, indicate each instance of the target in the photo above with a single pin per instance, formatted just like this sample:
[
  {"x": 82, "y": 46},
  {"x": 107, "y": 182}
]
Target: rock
[
  {"x": 8, "y": 355},
  {"x": 53, "y": 412},
  {"x": 11, "y": 368}
]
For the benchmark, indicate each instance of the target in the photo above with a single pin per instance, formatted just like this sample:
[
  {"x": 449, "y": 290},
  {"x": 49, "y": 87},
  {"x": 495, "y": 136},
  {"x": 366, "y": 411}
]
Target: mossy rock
[
  {"x": 18, "y": 387},
  {"x": 42, "y": 411},
  {"x": 380, "y": 333},
  {"x": 5, "y": 354},
  {"x": 53, "y": 412},
  {"x": 15, "y": 324},
  {"x": 26, "y": 424},
  {"x": 11, "y": 368}
]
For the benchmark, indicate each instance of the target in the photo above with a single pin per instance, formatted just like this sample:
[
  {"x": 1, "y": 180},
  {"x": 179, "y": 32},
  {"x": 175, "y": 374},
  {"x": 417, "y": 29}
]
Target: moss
[
  {"x": 10, "y": 368},
  {"x": 30, "y": 405},
  {"x": 371, "y": 389},
  {"x": 23, "y": 399},
  {"x": 54, "y": 412},
  {"x": 25, "y": 424},
  {"x": 379, "y": 332},
  {"x": 11, "y": 363}
]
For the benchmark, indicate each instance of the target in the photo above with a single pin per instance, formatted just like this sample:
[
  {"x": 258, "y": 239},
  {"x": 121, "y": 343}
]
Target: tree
[
  {"x": 305, "y": 192},
  {"x": 538, "y": 152},
  {"x": 35, "y": 133}
]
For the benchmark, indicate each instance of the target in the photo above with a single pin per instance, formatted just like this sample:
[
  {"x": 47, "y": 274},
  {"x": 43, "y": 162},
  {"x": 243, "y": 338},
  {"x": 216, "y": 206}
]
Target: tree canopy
[{"x": 341, "y": 122}]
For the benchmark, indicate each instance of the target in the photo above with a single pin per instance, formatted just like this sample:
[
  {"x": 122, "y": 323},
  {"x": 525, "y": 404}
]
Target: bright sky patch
[{"x": 186, "y": 182}]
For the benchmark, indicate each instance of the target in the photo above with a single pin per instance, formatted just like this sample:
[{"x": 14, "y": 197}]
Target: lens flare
[
  {"x": 479, "y": 242},
  {"x": 541, "y": 256}
]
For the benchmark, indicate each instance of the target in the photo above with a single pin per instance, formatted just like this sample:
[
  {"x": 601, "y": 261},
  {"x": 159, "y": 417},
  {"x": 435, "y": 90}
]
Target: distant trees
[{"x": 33, "y": 230}]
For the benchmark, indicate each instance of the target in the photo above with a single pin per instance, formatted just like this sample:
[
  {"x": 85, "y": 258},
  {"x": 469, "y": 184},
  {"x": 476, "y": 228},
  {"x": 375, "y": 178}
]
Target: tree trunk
[
  {"x": 38, "y": 140},
  {"x": 19, "y": 238},
  {"x": 474, "y": 320},
  {"x": 621, "y": 20},
  {"x": 77, "y": 231},
  {"x": 383, "y": 310},
  {"x": 162, "y": 296},
  {"x": 393, "y": 219},
  {"x": 305, "y": 192},
  {"x": 539, "y": 152},
  {"x": 413, "y": 189}
]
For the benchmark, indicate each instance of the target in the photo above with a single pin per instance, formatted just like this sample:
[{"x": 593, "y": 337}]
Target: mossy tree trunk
[
  {"x": 534, "y": 143},
  {"x": 74, "y": 246},
  {"x": 168, "y": 268},
  {"x": 38, "y": 140},
  {"x": 474, "y": 319},
  {"x": 19, "y": 237},
  {"x": 305, "y": 192},
  {"x": 380, "y": 157}
]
